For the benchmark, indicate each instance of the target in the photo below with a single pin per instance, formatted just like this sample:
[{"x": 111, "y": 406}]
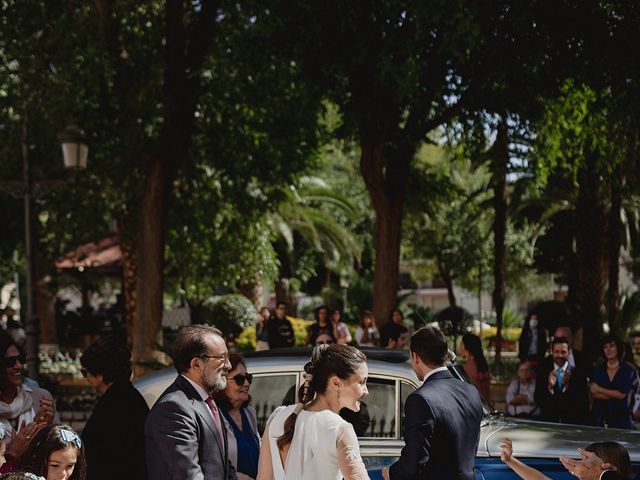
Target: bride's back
[{"x": 312, "y": 452}]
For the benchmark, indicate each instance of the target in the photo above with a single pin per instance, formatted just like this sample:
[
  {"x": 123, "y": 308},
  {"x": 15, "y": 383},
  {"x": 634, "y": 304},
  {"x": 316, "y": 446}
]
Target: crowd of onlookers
[
  {"x": 274, "y": 330},
  {"x": 555, "y": 383}
]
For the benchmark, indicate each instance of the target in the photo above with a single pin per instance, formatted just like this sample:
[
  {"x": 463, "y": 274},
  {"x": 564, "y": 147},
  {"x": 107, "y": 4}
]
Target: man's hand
[
  {"x": 552, "y": 379},
  {"x": 385, "y": 473},
  {"x": 588, "y": 468},
  {"x": 507, "y": 450},
  {"x": 566, "y": 378},
  {"x": 594, "y": 387}
]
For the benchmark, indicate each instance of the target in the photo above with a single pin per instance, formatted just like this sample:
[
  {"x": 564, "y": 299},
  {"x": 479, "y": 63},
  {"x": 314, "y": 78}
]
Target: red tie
[{"x": 216, "y": 418}]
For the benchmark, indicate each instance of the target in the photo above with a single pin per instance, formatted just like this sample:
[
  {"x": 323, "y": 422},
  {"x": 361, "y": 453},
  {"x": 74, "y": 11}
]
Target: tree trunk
[
  {"x": 253, "y": 291},
  {"x": 386, "y": 181},
  {"x": 499, "y": 180},
  {"x": 151, "y": 244},
  {"x": 448, "y": 281},
  {"x": 591, "y": 226},
  {"x": 127, "y": 247},
  {"x": 615, "y": 242},
  {"x": 181, "y": 91}
]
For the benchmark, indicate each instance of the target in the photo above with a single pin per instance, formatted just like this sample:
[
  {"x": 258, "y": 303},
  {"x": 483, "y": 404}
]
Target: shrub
[{"x": 230, "y": 313}]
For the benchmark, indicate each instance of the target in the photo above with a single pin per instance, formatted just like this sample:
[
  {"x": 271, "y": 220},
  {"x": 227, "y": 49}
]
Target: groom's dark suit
[
  {"x": 441, "y": 431},
  {"x": 182, "y": 441}
]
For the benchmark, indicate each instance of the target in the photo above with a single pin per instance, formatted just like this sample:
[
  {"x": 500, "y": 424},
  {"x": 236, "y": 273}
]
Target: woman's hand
[
  {"x": 22, "y": 439},
  {"x": 46, "y": 410},
  {"x": 507, "y": 450}
]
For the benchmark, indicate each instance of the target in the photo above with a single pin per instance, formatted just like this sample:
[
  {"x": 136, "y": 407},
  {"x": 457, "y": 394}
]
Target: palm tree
[{"x": 313, "y": 217}]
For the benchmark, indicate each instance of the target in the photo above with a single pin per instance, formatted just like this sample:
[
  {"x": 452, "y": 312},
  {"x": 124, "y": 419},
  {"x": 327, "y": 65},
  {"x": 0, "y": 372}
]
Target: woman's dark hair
[
  {"x": 221, "y": 399},
  {"x": 396, "y": 310},
  {"x": 473, "y": 344},
  {"x": 317, "y": 314},
  {"x": 108, "y": 356},
  {"x": 612, "y": 339},
  {"x": 6, "y": 342},
  {"x": 365, "y": 314},
  {"x": 191, "y": 343},
  {"x": 615, "y": 454},
  {"x": 51, "y": 439},
  {"x": 326, "y": 361}
]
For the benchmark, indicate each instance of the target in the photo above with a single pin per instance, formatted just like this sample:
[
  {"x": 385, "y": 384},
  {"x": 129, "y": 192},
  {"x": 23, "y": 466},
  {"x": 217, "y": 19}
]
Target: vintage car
[{"x": 277, "y": 375}]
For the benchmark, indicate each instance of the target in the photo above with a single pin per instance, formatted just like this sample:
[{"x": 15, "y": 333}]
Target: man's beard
[{"x": 218, "y": 384}]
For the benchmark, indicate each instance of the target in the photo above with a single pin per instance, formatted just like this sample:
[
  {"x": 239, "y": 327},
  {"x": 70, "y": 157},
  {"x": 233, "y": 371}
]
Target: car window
[
  {"x": 377, "y": 415},
  {"x": 268, "y": 392},
  {"x": 406, "y": 389}
]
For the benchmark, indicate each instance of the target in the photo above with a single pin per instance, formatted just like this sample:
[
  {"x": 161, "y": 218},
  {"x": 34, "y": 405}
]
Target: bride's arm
[
  {"x": 348, "y": 452},
  {"x": 265, "y": 467}
]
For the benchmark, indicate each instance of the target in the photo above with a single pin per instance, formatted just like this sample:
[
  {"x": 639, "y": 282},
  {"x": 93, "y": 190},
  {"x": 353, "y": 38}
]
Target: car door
[{"x": 271, "y": 390}]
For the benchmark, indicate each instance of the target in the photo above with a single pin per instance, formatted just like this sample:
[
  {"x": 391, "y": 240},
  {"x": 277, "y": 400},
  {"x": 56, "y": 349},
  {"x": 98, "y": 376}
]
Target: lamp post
[{"x": 75, "y": 151}]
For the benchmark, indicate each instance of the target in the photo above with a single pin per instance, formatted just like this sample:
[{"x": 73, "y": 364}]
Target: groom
[{"x": 442, "y": 418}]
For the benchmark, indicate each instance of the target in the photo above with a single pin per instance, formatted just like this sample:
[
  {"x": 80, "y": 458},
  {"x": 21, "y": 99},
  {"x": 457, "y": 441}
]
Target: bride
[{"x": 310, "y": 440}]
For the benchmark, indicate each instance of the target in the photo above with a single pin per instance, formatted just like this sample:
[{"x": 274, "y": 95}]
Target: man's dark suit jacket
[
  {"x": 441, "y": 431},
  {"x": 611, "y": 475},
  {"x": 114, "y": 435},
  {"x": 182, "y": 441},
  {"x": 570, "y": 406}
]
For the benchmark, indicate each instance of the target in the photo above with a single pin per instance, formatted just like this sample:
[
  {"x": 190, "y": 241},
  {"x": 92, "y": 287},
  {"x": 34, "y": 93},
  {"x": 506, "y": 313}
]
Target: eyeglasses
[
  {"x": 68, "y": 436},
  {"x": 325, "y": 342},
  {"x": 223, "y": 356},
  {"x": 240, "y": 379},
  {"x": 11, "y": 361}
]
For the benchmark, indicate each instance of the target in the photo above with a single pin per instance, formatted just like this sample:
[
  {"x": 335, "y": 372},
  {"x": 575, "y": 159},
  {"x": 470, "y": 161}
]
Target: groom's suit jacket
[
  {"x": 441, "y": 431},
  {"x": 182, "y": 442}
]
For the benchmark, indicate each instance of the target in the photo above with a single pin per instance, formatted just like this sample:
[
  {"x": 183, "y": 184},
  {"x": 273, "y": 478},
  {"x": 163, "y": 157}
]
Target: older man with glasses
[{"x": 185, "y": 437}]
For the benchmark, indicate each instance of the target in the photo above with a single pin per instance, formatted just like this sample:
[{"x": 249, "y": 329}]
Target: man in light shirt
[{"x": 521, "y": 394}]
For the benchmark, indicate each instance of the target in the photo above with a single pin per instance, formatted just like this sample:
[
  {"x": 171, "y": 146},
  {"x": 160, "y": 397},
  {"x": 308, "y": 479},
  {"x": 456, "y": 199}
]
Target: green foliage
[
  {"x": 230, "y": 313},
  {"x": 511, "y": 319}
]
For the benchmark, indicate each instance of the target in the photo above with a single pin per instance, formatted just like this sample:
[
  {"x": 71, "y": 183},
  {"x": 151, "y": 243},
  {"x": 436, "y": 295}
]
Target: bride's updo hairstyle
[{"x": 326, "y": 361}]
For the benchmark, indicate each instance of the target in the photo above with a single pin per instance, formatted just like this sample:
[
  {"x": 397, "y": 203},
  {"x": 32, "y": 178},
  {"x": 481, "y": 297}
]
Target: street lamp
[{"x": 75, "y": 151}]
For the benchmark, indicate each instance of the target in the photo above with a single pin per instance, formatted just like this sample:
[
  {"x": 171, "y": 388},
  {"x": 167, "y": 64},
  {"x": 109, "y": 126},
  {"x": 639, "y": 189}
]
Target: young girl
[{"x": 56, "y": 453}]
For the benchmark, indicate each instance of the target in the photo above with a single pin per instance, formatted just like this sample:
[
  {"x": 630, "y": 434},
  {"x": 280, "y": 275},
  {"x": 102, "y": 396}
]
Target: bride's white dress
[{"x": 324, "y": 447}]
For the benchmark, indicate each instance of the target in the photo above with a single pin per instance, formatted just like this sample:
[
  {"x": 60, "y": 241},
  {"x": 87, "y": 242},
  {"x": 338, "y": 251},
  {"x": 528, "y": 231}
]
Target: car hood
[{"x": 550, "y": 440}]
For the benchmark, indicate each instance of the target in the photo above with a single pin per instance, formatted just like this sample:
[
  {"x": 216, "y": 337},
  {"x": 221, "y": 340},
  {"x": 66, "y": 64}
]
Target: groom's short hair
[{"x": 430, "y": 345}]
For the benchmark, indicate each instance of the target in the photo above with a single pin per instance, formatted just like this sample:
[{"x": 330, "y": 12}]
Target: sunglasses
[
  {"x": 240, "y": 379},
  {"x": 11, "y": 361}
]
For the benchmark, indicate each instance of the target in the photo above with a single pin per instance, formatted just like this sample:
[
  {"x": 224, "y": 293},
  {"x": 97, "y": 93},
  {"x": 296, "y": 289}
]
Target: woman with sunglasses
[
  {"x": 24, "y": 406},
  {"x": 56, "y": 453},
  {"x": 240, "y": 419}
]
